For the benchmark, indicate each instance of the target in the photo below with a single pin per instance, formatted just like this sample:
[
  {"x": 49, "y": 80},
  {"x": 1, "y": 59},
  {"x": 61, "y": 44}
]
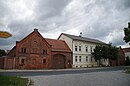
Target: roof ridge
[{"x": 81, "y": 38}]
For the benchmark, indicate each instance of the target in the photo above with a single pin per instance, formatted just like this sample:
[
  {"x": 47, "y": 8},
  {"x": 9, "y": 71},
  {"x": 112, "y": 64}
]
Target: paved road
[
  {"x": 111, "y": 78},
  {"x": 59, "y": 71}
]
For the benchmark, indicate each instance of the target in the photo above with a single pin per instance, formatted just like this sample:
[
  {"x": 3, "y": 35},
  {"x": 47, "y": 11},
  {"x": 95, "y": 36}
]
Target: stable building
[{"x": 37, "y": 52}]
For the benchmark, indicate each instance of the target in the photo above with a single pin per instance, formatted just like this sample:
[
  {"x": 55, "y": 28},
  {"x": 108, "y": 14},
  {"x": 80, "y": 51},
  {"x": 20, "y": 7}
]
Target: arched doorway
[{"x": 58, "y": 61}]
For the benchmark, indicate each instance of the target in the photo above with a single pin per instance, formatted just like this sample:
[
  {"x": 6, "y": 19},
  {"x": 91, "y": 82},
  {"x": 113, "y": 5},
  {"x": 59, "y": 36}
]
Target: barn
[{"x": 36, "y": 52}]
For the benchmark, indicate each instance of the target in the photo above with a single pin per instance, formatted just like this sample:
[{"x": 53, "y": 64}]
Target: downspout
[{"x": 72, "y": 53}]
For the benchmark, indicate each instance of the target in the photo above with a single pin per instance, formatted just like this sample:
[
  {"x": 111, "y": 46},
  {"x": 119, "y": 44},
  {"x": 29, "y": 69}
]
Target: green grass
[
  {"x": 12, "y": 81},
  {"x": 128, "y": 71}
]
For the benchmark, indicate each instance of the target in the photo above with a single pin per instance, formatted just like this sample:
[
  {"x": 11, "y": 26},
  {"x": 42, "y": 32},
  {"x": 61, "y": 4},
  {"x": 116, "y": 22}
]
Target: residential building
[
  {"x": 36, "y": 52},
  {"x": 82, "y": 48}
]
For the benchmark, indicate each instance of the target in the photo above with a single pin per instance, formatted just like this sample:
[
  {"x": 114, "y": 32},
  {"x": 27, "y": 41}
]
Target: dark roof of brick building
[{"x": 58, "y": 45}]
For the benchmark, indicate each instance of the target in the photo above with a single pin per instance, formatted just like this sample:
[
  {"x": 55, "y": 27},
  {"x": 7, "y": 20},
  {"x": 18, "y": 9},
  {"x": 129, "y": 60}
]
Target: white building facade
[{"x": 82, "y": 48}]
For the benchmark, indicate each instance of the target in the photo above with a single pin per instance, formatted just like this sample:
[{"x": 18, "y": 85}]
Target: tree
[
  {"x": 105, "y": 52},
  {"x": 97, "y": 54},
  {"x": 2, "y": 53},
  {"x": 127, "y": 33},
  {"x": 113, "y": 54}
]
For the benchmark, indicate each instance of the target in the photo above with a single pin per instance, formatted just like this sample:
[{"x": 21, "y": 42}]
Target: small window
[
  {"x": 86, "y": 58},
  {"x": 91, "y": 59},
  {"x": 79, "y": 58},
  {"x": 44, "y": 51},
  {"x": 79, "y": 48},
  {"x": 86, "y": 49},
  {"x": 76, "y": 59},
  {"x": 44, "y": 61},
  {"x": 76, "y": 48},
  {"x": 91, "y": 49},
  {"x": 22, "y": 61},
  {"x": 24, "y": 50}
]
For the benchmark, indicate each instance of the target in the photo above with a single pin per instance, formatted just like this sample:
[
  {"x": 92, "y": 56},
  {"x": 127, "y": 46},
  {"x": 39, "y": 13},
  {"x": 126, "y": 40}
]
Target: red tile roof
[
  {"x": 126, "y": 49},
  {"x": 58, "y": 45}
]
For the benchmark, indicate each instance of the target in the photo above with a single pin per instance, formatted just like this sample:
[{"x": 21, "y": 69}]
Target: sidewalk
[{"x": 27, "y": 70}]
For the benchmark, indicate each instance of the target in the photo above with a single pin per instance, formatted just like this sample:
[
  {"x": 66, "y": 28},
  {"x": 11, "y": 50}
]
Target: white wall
[
  {"x": 67, "y": 40},
  {"x": 83, "y": 63},
  {"x": 83, "y": 54}
]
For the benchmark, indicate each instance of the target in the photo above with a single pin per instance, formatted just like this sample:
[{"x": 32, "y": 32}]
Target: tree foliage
[
  {"x": 105, "y": 52},
  {"x": 127, "y": 33},
  {"x": 2, "y": 53}
]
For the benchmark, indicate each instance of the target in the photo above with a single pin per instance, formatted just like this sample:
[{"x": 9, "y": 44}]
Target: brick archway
[{"x": 58, "y": 61}]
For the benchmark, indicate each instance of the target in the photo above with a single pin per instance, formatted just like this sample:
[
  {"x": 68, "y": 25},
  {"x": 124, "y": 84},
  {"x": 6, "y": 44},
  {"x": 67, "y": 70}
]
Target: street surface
[
  {"x": 84, "y": 79},
  {"x": 106, "y": 76},
  {"x": 60, "y": 71}
]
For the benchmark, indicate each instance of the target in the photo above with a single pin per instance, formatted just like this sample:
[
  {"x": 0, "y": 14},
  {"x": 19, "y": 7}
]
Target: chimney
[
  {"x": 80, "y": 34},
  {"x": 35, "y": 30}
]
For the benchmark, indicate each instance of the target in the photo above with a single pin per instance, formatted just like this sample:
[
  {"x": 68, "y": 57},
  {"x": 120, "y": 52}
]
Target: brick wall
[
  {"x": 9, "y": 63},
  {"x": 68, "y": 58},
  {"x": 1, "y": 63}
]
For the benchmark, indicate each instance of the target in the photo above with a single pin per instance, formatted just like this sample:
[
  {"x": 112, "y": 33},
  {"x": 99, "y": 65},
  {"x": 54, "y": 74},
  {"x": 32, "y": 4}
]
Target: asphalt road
[
  {"x": 104, "y": 78},
  {"x": 60, "y": 71}
]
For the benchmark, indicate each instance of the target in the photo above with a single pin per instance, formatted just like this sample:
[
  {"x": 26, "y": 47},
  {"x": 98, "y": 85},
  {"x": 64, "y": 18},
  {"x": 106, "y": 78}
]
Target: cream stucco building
[{"x": 82, "y": 48}]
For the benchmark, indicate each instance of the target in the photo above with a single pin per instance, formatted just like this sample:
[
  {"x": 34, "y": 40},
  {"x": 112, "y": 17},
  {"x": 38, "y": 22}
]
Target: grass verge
[
  {"x": 12, "y": 81},
  {"x": 128, "y": 71}
]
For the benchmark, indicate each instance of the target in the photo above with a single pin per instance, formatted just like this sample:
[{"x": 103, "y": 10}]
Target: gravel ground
[{"x": 117, "y": 78}]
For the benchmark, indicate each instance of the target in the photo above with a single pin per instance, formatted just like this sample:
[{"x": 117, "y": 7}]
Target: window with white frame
[
  {"x": 91, "y": 48},
  {"x": 86, "y": 58},
  {"x": 79, "y": 48},
  {"x": 86, "y": 48},
  {"x": 91, "y": 59},
  {"x": 76, "y": 48},
  {"x": 79, "y": 58},
  {"x": 76, "y": 59}
]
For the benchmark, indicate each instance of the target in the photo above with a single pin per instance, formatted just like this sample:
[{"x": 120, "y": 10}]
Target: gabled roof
[
  {"x": 31, "y": 34},
  {"x": 83, "y": 39},
  {"x": 14, "y": 48},
  {"x": 58, "y": 45}
]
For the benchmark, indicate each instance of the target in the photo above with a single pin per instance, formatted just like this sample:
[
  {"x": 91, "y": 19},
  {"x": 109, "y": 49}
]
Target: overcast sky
[{"x": 99, "y": 19}]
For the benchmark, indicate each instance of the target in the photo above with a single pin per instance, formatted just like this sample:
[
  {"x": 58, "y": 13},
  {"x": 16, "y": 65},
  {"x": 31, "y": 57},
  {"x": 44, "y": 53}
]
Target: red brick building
[
  {"x": 36, "y": 52},
  {"x": 120, "y": 58}
]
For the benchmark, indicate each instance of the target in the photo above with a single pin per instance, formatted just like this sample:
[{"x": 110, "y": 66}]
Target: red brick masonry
[{"x": 36, "y": 52}]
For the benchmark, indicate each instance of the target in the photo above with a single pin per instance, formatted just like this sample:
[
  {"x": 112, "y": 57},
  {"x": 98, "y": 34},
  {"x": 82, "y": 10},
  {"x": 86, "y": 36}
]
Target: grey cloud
[
  {"x": 112, "y": 16},
  {"x": 96, "y": 20},
  {"x": 3, "y": 9},
  {"x": 50, "y": 8}
]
